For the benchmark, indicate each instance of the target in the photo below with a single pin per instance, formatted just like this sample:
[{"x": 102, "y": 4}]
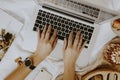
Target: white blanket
[{"x": 23, "y": 10}]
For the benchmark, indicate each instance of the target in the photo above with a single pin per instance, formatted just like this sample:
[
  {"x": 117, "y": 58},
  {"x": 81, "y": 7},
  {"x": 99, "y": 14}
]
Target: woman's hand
[
  {"x": 71, "y": 50},
  {"x": 46, "y": 43}
]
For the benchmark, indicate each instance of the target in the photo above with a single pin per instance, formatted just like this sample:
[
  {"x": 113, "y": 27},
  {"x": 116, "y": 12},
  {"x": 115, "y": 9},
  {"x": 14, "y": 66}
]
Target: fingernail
[
  {"x": 56, "y": 30},
  {"x": 49, "y": 26},
  {"x": 45, "y": 26},
  {"x": 71, "y": 32},
  {"x": 78, "y": 32}
]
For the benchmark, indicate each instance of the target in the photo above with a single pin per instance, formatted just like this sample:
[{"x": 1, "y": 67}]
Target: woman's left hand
[{"x": 46, "y": 43}]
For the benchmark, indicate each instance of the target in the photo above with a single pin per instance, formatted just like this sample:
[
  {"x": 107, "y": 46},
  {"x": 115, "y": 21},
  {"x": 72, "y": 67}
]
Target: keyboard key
[
  {"x": 55, "y": 27},
  {"x": 36, "y": 25},
  {"x": 35, "y": 28},
  {"x": 40, "y": 26},
  {"x": 51, "y": 17},
  {"x": 63, "y": 25},
  {"x": 74, "y": 29},
  {"x": 70, "y": 28},
  {"x": 44, "y": 23},
  {"x": 40, "y": 22},
  {"x": 44, "y": 19},
  {"x": 59, "y": 28},
  {"x": 62, "y": 21},
  {"x": 90, "y": 30},
  {"x": 58, "y": 20},
  {"x": 88, "y": 42},
  {"x": 55, "y": 18},
  {"x": 62, "y": 29},
  {"x": 86, "y": 33},
  {"x": 38, "y": 17},
  {"x": 78, "y": 26},
  {"x": 67, "y": 27},
  {"x": 51, "y": 22},
  {"x": 70, "y": 23},
  {"x": 47, "y": 16},
  {"x": 63, "y": 34},
  {"x": 66, "y": 31},
  {"x": 66, "y": 22},
  {"x": 39, "y": 13},
  {"x": 44, "y": 12},
  {"x": 86, "y": 37},
  {"x": 60, "y": 37},
  {"x": 68, "y": 19},
  {"x": 55, "y": 23},
  {"x": 59, "y": 24},
  {"x": 90, "y": 35},
  {"x": 82, "y": 32},
  {"x": 85, "y": 29},
  {"x": 86, "y": 46},
  {"x": 43, "y": 15},
  {"x": 52, "y": 30},
  {"x": 92, "y": 27},
  {"x": 48, "y": 20},
  {"x": 64, "y": 18},
  {"x": 74, "y": 25},
  {"x": 81, "y": 27}
]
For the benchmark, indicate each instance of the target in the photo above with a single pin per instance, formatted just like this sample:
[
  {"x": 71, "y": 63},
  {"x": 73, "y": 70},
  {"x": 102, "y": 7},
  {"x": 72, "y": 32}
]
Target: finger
[
  {"x": 82, "y": 46},
  {"x": 39, "y": 33},
  {"x": 44, "y": 32},
  {"x": 47, "y": 36},
  {"x": 70, "y": 39},
  {"x": 77, "y": 39},
  {"x": 65, "y": 44},
  {"x": 81, "y": 40},
  {"x": 52, "y": 39},
  {"x": 55, "y": 42}
]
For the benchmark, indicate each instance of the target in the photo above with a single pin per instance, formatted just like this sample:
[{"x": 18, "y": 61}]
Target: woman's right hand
[{"x": 71, "y": 50}]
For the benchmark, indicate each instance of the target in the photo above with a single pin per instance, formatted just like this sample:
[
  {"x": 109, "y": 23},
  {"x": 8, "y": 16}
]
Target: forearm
[
  {"x": 46, "y": 43},
  {"x": 69, "y": 72},
  {"x": 22, "y": 71}
]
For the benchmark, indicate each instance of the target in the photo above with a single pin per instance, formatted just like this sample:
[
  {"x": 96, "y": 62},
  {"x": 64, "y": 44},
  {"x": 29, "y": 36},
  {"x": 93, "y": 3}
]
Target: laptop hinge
[{"x": 80, "y": 17}]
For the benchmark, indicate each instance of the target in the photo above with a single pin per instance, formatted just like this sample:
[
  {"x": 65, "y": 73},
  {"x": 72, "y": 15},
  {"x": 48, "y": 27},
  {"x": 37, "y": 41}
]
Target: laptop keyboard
[
  {"x": 76, "y": 6},
  {"x": 63, "y": 25}
]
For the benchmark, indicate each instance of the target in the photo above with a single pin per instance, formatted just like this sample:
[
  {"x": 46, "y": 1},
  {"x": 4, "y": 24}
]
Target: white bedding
[{"x": 23, "y": 10}]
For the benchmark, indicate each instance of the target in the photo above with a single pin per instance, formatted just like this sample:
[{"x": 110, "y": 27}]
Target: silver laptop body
[{"x": 79, "y": 12}]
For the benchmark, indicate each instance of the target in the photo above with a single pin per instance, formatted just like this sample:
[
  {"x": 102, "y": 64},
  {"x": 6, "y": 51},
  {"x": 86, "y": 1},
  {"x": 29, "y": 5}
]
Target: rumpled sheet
[{"x": 23, "y": 10}]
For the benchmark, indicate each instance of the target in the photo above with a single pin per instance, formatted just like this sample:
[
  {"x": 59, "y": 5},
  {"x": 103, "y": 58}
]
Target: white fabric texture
[{"x": 23, "y": 10}]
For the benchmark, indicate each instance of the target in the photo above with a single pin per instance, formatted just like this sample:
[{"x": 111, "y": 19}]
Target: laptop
[{"x": 67, "y": 16}]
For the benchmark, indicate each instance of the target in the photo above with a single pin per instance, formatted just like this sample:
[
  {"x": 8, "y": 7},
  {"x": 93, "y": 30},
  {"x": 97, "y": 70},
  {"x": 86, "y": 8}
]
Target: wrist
[
  {"x": 69, "y": 64},
  {"x": 36, "y": 59}
]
